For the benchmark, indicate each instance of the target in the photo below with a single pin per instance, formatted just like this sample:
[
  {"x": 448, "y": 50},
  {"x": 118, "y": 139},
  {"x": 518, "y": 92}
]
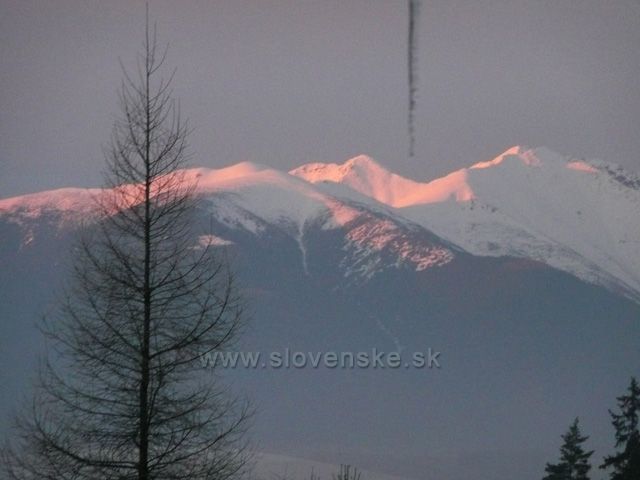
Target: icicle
[{"x": 414, "y": 10}]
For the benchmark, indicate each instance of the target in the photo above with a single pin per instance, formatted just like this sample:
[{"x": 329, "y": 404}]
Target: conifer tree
[
  {"x": 625, "y": 463},
  {"x": 574, "y": 460}
]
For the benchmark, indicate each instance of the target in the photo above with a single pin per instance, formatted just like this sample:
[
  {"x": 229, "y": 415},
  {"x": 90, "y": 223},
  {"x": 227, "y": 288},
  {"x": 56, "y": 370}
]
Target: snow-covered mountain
[
  {"x": 571, "y": 214},
  {"x": 256, "y": 199},
  {"x": 349, "y": 257},
  {"x": 580, "y": 217}
]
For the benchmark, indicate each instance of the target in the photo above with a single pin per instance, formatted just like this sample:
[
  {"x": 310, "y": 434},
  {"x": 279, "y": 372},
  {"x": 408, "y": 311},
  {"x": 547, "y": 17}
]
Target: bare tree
[
  {"x": 120, "y": 395},
  {"x": 347, "y": 473}
]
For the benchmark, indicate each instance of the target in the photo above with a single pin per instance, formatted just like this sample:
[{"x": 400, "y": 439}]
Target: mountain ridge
[
  {"x": 569, "y": 213},
  {"x": 530, "y": 203}
]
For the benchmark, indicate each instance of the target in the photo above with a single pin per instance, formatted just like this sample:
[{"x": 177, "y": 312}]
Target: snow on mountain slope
[
  {"x": 581, "y": 217},
  {"x": 272, "y": 196},
  {"x": 256, "y": 198},
  {"x": 364, "y": 175},
  {"x": 66, "y": 202},
  {"x": 577, "y": 216},
  {"x": 369, "y": 178}
]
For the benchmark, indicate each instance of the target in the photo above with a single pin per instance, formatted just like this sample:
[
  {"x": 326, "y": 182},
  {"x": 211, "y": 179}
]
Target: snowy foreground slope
[{"x": 580, "y": 217}]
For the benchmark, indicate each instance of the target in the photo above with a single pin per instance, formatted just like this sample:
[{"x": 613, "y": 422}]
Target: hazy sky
[{"x": 291, "y": 81}]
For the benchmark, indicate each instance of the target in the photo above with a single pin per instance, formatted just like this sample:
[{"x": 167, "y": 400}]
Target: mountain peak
[
  {"x": 366, "y": 176},
  {"x": 206, "y": 176},
  {"x": 361, "y": 166},
  {"x": 363, "y": 161},
  {"x": 523, "y": 156},
  {"x": 362, "y": 174}
]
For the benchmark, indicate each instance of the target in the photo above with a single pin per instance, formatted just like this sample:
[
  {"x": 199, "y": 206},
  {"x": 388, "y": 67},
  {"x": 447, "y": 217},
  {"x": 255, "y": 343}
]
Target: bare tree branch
[{"x": 120, "y": 395}]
